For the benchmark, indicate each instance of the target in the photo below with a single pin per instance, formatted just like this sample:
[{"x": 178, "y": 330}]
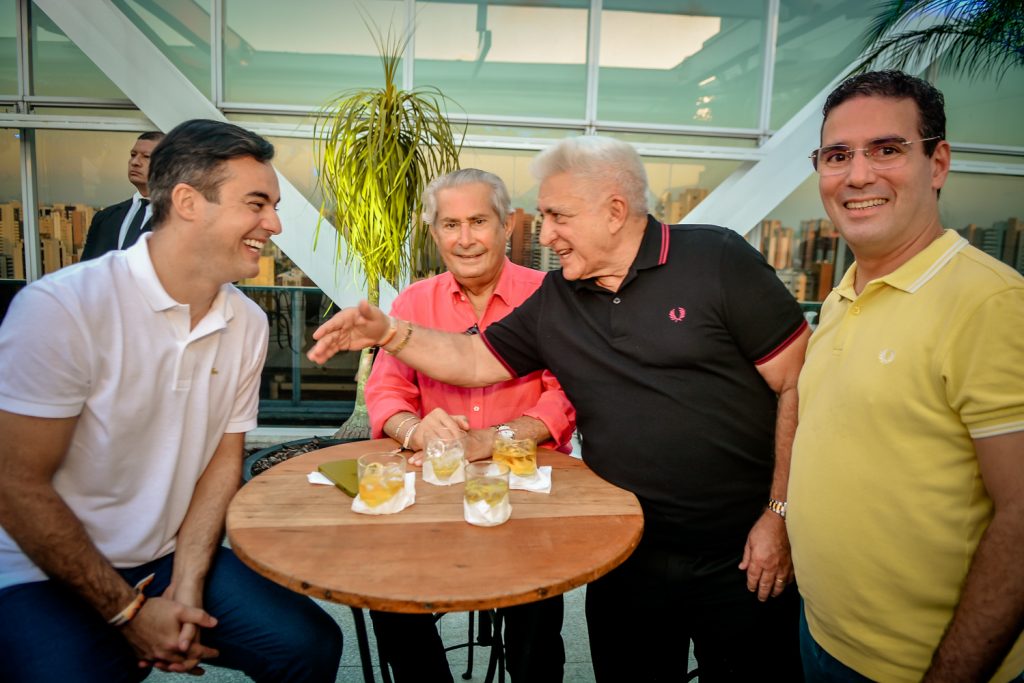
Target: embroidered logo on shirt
[
  {"x": 676, "y": 315},
  {"x": 886, "y": 356}
]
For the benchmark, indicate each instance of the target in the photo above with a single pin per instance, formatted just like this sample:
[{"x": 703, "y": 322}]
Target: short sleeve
[
  {"x": 761, "y": 314},
  {"x": 514, "y": 340},
  {"x": 244, "y": 414},
  {"x": 44, "y": 361},
  {"x": 984, "y": 367}
]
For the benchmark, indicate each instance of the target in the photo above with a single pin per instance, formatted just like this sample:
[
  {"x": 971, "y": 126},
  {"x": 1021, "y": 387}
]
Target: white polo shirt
[{"x": 104, "y": 341}]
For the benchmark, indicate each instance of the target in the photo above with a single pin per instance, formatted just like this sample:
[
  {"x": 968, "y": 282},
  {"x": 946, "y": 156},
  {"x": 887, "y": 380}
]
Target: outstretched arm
[
  {"x": 459, "y": 359},
  {"x": 50, "y": 534},
  {"x": 990, "y": 615}
]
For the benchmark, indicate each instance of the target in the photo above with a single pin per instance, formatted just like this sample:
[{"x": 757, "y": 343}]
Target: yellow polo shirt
[{"x": 886, "y": 501}]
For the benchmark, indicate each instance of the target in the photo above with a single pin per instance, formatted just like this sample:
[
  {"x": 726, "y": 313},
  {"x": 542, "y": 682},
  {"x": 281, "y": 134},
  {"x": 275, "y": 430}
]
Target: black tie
[{"x": 136, "y": 229}]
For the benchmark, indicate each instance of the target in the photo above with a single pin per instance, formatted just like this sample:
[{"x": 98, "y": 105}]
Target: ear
[
  {"x": 510, "y": 225},
  {"x": 940, "y": 161},
  {"x": 186, "y": 201},
  {"x": 618, "y": 212}
]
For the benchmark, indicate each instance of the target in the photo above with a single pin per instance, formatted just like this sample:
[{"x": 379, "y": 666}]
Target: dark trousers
[
  {"x": 534, "y": 651},
  {"x": 642, "y": 615},
  {"x": 51, "y": 635}
]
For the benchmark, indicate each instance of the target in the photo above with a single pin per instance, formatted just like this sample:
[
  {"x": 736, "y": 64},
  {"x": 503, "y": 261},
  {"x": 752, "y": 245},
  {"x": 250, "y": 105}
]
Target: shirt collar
[
  {"x": 140, "y": 265},
  {"x": 916, "y": 272},
  {"x": 502, "y": 289},
  {"x": 653, "y": 252}
]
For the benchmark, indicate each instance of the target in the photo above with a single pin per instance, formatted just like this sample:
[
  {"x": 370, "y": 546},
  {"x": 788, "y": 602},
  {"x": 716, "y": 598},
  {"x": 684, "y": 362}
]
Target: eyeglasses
[{"x": 881, "y": 155}]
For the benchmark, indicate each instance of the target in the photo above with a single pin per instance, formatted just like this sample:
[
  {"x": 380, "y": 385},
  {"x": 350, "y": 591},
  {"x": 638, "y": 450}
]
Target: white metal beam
[
  {"x": 115, "y": 45},
  {"x": 753, "y": 191}
]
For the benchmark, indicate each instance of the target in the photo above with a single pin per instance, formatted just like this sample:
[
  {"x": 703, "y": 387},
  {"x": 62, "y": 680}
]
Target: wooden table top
[{"x": 427, "y": 558}]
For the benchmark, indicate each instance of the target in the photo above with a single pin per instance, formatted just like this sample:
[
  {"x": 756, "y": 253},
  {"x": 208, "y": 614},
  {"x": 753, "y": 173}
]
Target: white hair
[
  {"x": 500, "y": 201},
  {"x": 597, "y": 161}
]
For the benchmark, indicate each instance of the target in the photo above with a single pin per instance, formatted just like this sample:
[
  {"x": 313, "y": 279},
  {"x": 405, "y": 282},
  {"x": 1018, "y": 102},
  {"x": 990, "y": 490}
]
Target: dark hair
[
  {"x": 194, "y": 153},
  {"x": 151, "y": 135},
  {"x": 931, "y": 112}
]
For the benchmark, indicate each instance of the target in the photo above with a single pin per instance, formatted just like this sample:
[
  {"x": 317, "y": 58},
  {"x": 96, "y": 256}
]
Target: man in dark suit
[{"x": 118, "y": 226}]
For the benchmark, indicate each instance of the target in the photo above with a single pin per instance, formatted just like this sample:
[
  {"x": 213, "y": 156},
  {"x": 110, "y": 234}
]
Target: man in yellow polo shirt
[{"x": 906, "y": 497}]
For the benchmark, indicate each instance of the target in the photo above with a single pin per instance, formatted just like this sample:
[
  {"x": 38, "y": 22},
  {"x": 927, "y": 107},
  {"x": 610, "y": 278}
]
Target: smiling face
[
  {"x": 138, "y": 165},
  {"x": 235, "y": 228},
  {"x": 882, "y": 213},
  {"x": 578, "y": 226},
  {"x": 469, "y": 235}
]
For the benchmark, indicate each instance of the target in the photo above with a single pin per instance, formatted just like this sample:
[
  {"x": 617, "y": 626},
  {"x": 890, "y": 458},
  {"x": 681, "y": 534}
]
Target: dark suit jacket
[{"x": 104, "y": 230}]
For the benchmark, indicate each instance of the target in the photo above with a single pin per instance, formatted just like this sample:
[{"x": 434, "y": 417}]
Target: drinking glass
[
  {"x": 486, "y": 480},
  {"x": 519, "y": 454},
  {"x": 381, "y": 477},
  {"x": 445, "y": 454}
]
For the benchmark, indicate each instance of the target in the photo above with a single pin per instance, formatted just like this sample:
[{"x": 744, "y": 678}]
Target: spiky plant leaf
[{"x": 977, "y": 38}]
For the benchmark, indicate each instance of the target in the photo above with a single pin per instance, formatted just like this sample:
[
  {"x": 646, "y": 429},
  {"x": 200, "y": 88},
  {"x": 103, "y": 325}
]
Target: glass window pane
[
  {"x": 814, "y": 46},
  {"x": 180, "y": 30},
  {"x": 984, "y": 111},
  {"x": 8, "y": 47},
  {"x": 79, "y": 173},
  {"x": 303, "y": 53},
  {"x": 983, "y": 207},
  {"x": 12, "y": 247},
  {"x": 676, "y": 186},
  {"x": 682, "y": 64},
  {"x": 59, "y": 68},
  {"x": 507, "y": 58}
]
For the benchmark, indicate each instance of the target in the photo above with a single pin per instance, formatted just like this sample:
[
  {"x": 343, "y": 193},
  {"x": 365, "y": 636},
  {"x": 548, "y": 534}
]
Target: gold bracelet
[
  {"x": 408, "y": 436},
  {"x": 405, "y": 340},
  {"x": 392, "y": 331},
  {"x": 133, "y": 607},
  {"x": 398, "y": 430}
]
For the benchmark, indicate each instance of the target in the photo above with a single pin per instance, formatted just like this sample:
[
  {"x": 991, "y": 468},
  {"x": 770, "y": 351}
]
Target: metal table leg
[{"x": 364, "y": 645}]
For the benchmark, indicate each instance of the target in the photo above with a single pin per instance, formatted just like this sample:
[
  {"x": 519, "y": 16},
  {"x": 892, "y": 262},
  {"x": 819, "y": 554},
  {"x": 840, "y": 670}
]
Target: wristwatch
[
  {"x": 778, "y": 507},
  {"x": 505, "y": 432}
]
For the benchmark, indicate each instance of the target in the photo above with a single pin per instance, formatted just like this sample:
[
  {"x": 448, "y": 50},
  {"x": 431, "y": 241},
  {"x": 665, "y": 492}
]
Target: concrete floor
[{"x": 453, "y": 631}]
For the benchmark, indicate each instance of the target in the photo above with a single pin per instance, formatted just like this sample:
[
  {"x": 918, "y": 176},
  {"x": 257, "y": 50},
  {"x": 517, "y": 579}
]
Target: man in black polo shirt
[{"x": 680, "y": 350}]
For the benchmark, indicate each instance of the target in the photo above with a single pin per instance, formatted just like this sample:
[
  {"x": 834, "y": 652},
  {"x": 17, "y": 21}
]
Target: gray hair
[
  {"x": 597, "y": 161},
  {"x": 500, "y": 201}
]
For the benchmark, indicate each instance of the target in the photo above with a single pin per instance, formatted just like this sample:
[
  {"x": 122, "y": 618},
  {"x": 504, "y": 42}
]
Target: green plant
[
  {"x": 376, "y": 150},
  {"x": 974, "y": 37}
]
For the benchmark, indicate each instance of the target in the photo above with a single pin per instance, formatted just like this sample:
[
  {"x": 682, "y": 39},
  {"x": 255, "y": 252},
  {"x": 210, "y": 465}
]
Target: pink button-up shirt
[{"x": 438, "y": 302}]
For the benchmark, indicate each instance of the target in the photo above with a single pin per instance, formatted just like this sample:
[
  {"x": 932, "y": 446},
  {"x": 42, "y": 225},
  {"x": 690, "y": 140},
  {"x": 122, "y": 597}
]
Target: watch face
[{"x": 505, "y": 432}]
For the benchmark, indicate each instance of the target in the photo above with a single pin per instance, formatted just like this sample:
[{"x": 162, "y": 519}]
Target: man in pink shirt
[{"x": 468, "y": 213}]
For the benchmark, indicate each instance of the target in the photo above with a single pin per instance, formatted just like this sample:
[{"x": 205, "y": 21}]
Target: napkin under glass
[
  {"x": 539, "y": 482},
  {"x": 482, "y": 514},
  {"x": 398, "y": 502}
]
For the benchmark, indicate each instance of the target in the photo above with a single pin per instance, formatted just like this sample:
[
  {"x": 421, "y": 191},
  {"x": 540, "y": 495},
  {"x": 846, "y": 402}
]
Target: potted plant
[{"x": 376, "y": 149}]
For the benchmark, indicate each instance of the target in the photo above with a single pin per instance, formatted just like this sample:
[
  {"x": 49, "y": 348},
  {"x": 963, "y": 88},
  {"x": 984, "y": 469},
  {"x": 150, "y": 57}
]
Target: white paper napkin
[
  {"x": 315, "y": 477},
  {"x": 482, "y": 514},
  {"x": 398, "y": 502},
  {"x": 458, "y": 476},
  {"x": 539, "y": 482}
]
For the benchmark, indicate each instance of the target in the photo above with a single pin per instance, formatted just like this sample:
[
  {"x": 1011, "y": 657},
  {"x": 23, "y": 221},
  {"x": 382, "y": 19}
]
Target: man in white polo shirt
[{"x": 127, "y": 384}]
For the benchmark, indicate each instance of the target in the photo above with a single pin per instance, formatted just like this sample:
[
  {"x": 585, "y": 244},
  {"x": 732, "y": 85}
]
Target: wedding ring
[{"x": 779, "y": 581}]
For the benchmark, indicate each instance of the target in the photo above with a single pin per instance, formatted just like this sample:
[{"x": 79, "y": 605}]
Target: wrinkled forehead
[
  {"x": 465, "y": 201},
  {"x": 863, "y": 119}
]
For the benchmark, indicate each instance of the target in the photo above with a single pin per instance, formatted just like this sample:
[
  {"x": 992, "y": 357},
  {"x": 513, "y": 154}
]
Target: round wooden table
[{"x": 427, "y": 558}]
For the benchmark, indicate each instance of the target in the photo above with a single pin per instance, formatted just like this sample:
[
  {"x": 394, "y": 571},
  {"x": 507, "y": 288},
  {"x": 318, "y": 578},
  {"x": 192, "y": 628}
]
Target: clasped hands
[
  {"x": 165, "y": 634},
  {"x": 439, "y": 424}
]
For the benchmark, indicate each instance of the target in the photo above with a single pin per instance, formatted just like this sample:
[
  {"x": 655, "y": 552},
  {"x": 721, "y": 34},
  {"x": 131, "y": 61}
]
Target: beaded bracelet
[
  {"x": 133, "y": 607},
  {"x": 405, "y": 340}
]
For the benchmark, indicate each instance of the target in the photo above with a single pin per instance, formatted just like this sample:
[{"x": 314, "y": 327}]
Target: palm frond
[{"x": 975, "y": 37}]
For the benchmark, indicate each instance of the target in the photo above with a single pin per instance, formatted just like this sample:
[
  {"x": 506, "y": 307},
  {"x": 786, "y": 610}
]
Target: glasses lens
[
  {"x": 833, "y": 159},
  {"x": 888, "y": 153}
]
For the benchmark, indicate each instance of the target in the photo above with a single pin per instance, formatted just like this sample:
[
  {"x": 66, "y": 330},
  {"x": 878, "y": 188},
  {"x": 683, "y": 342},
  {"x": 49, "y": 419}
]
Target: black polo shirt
[{"x": 662, "y": 373}]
